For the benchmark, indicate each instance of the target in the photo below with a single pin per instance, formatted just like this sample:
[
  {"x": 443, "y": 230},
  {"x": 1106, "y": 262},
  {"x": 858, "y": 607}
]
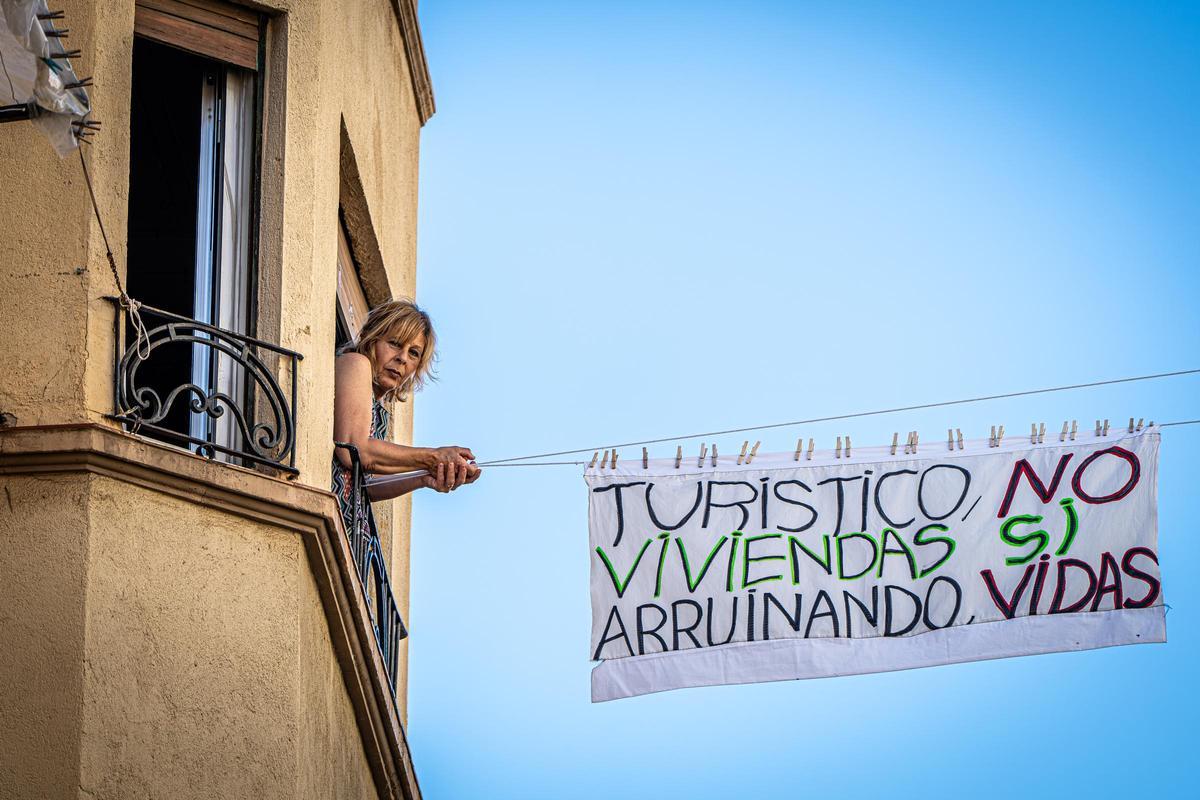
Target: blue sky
[{"x": 654, "y": 218}]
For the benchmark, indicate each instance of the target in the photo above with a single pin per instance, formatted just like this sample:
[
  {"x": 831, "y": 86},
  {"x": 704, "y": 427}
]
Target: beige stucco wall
[
  {"x": 43, "y": 538},
  {"x": 159, "y": 646},
  {"x": 330, "y": 62},
  {"x": 164, "y": 649}
]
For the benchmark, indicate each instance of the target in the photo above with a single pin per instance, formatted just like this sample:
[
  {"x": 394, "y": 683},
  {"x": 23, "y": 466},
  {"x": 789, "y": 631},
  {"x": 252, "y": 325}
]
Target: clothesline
[{"x": 528, "y": 460}]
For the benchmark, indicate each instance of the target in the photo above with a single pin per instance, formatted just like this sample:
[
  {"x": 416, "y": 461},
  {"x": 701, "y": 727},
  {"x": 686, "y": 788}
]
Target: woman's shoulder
[{"x": 352, "y": 363}]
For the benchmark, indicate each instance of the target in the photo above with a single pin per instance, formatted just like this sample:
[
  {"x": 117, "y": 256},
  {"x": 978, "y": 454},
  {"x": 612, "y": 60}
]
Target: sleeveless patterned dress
[{"x": 343, "y": 483}]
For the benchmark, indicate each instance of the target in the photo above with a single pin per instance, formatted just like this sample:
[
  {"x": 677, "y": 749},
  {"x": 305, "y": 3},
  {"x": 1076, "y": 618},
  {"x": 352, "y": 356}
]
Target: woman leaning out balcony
[{"x": 390, "y": 359}]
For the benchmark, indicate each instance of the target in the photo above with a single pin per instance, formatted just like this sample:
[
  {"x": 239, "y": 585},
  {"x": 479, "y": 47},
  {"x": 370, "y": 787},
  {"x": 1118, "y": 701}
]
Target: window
[
  {"x": 194, "y": 122},
  {"x": 352, "y": 305}
]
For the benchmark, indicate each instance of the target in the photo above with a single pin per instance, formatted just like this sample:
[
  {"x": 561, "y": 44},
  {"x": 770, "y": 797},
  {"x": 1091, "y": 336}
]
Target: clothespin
[
  {"x": 949, "y": 438},
  {"x": 1062, "y": 437},
  {"x": 799, "y": 447},
  {"x": 613, "y": 465},
  {"x": 895, "y": 441},
  {"x": 999, "y": 435},
  {"x": 1130, "y": 425},
  {"x": 960, "y": 438},
  {"x": 1041, "y": 432},
  {"x": 703, "y": 453},
  {"x": 908, "y": 444},
  {"x": 916, "y": 439},
  {"x": 1139, "y": 425},
  {"x": 714, "y": 455},
  {"x": 645, "y": 458},
  {"x": 604, "y": 463},
  {"x": 838, "y": 453},
  {"x": 992, "y": 437},
  {"x": 1074, "y": 429},
  {"x": 595, "y": 457},
  {"x": 1105, "y": 428},
  {"x": 678, "y": 455},
  {"x": 810, "y": 448},
  {"x": 847, "y": 445},
  {"x": 1097, "y": 427},
  {"x": 742, "y": 455},
  {"x": 1033, "y": 433},
  {"x": 753, "y": 452}
]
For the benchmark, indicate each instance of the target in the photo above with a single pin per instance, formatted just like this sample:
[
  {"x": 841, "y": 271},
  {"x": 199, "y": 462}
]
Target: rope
[
  {"x": 505, "y": 462},
  {"x": 856, "y": 415},
  {"x": 130, "y": 305}
]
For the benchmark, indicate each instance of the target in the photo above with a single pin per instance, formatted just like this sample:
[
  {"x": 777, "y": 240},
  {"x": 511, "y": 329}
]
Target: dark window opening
[{"x": 191, "y": 215}]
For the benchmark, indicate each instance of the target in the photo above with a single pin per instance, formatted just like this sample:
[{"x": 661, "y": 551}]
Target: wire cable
[{"x": 856, "y": 415}]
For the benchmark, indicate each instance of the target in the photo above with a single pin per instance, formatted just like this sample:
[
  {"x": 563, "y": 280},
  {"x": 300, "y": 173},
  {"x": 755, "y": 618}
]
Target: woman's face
[{"x": 396, "y": 361}]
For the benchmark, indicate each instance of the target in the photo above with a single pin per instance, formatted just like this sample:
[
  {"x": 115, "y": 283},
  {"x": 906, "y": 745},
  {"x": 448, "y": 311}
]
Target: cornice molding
[
  {"x": 312, "y": 513},
  {"x": 414, "y": 49}
]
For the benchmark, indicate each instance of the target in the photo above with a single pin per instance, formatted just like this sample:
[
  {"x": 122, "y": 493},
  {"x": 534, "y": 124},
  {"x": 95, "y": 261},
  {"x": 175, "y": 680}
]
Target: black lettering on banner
[
  {"x": 1108, "y": 571},
  {"x": 879, "y": 506},
  {"x": 903, "y": 550},
  {"x": 616, "y": 488},
  {"x": 961, "y": 497},
  {"x": 920, "y": 540},
  {"x": 1038, "y": 583},
  {"x": 1150, "y": 581},
  {"x": 929, "y": 602},
  {"x": 794, "y": 622},
  {"x": 841, "y": 497},
  {"x": 750, "y": 615},
  {"x": 1023, "y": 467},
  {"x": 643, "y": 631},
  {"x": 841, "y": 553},
  {"x": 1135, "y": 472},
  {"x": 811, "y": 521},
  {"x": 866, "y": 492},
  {"x": 732, "y": 622},
  {"x": 1056, "y": 606},
  {"x": 676, "y": 630},
  {"x": 1007, "y": 606},
  {"x": 740, "y": 505},
  {"x": 605, "y": 638},
  {"x": 794, "y": 543},
  {"x": 814, "y": 616},
  {"x": 763, "y": 497},
  {"x": 871, "y": 616},
  {"x": 662, "y": 526},
  {"x": 889, "y": 605}
]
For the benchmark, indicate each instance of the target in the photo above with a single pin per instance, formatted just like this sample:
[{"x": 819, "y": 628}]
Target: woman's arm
[
  {"x": 388, "y": 488},
  {"x": 396, "y": 488},
  {"x": 353, "y": 393}
]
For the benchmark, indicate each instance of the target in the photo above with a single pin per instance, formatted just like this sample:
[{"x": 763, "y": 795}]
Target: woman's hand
[
  {"x": 439, "y": 480},
  {"x": 450, "y": 466}
]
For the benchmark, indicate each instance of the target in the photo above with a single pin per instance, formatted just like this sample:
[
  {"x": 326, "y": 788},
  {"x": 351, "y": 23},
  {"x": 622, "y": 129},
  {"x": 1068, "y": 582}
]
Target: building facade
[{"x": 181, "y": 612}]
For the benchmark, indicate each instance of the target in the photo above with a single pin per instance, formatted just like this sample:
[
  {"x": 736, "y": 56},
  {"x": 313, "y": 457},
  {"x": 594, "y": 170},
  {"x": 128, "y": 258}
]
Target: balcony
[{"x": 213, "y": 390}]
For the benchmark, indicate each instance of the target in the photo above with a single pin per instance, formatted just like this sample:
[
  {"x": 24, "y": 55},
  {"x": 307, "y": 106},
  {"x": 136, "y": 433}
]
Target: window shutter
[
  {"x": 352, "y": 302},
  {"x": 211, "y": 28}
]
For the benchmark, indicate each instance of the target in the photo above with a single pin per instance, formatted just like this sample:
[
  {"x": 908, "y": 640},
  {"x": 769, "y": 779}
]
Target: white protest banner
[{"x": 834, "y": 565}]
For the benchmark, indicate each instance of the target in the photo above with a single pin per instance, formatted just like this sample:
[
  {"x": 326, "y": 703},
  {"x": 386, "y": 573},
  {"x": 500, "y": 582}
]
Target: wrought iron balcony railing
[
  {"x": 213, "y": 390},
  {"x": 376, "y": 585}
]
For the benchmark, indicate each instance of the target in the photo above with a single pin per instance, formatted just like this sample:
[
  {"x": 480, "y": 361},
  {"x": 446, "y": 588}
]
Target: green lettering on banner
[
  {"x": 612, "y": 572},
  {"x": 1040, "y": 536},
  {"x": 746, "y": 559},
  {"x": 687, "y": 572}
]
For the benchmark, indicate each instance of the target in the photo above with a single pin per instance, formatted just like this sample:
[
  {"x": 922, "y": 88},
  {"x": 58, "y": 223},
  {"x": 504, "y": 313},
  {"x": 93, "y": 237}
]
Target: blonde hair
[{"x": 398, "y": 320}]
